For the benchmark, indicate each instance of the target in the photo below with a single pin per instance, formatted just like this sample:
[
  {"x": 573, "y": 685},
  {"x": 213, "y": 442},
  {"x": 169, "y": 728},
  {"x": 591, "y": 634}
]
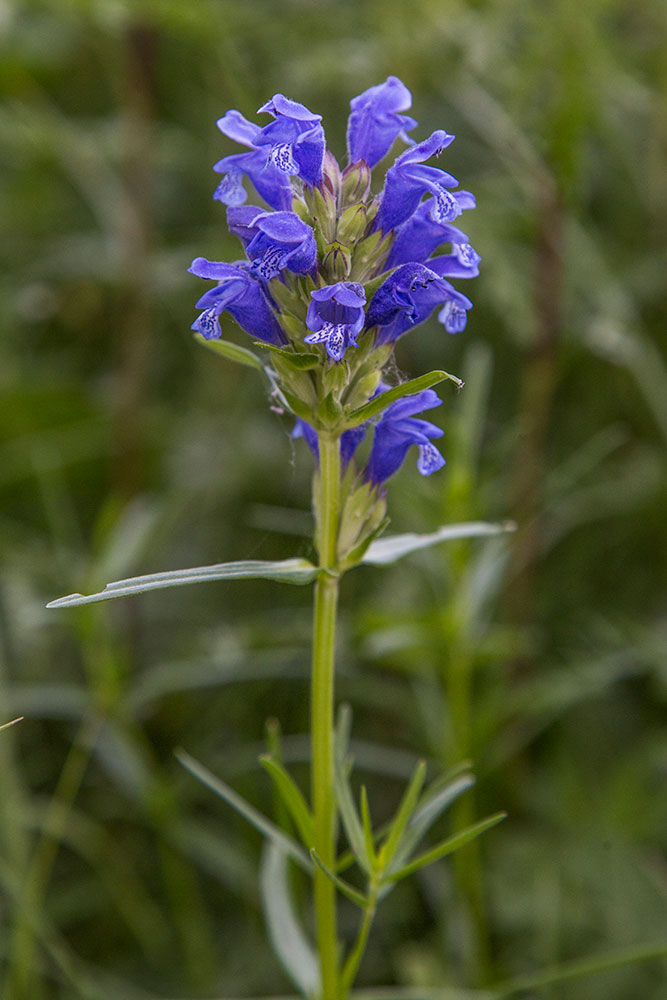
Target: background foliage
[{"x": 125, "y": 448}]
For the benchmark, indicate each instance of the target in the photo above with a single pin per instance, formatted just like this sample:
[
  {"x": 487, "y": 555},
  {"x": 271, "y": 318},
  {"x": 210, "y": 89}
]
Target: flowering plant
[{"x": 332, "y": 275}]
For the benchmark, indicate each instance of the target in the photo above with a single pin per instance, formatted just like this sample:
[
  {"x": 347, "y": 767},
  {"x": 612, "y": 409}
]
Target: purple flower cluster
[{"x": 330, "y": 267}]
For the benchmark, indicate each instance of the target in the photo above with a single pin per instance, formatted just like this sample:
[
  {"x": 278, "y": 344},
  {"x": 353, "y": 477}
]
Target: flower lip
[
  {"x": 281, "y": 105},
  {"x": 375, "y": 121}
]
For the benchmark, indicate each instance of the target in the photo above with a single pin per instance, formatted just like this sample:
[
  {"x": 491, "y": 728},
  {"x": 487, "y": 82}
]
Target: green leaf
[
  {"x": 291, "y": 795},
  {"x": 297, "y": 571},
  {"x": 256, "y": 818},
  {"x": 367, "y": 827},
  {"x": 298, "y": 361},
  {"x": 431, "y": 805},
  {"x": 232, "y": 352},
  {"x": 348, "y": 812},
  {"x": 385, "y": 399},
  {"x": 287, "y": 935},
  {"x": 387, "y": 550},
  {"x": 403, "y": 814},
  {"x": 445, "y": 847},
  {"x": 344, "y": 887}
]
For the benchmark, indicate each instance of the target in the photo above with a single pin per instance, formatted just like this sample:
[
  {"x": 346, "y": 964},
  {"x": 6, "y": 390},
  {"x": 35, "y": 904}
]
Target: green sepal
[
  {"x": 371, "y": 251},
  {"x": 329, "y": 411},
  {"x": 336, "y": 261},
  {"x": 292, "y": 797},
  {"x": 410, "y": 388},
  {"x": 288, "y": 300},
  {"x": 297, "y": 406},
  {"x": 363, "y": 388},
  {"x": 356, "y": 555},
  {"x": 355, "y": 183},
  {"x": 344, "y": 887},
  {"x": 445, "y": 847},
  {"x": 293, "y": 359},
  {"x": 363, "y": 517},
  {"x": 230, "y": 351},
  {"x": 352, "y": 224}
]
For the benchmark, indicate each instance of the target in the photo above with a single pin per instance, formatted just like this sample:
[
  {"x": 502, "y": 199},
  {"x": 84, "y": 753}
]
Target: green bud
[
  {"x": 364, "y": 388},
  {"x": 337, "y": 261},
  {"x": 356, "y": 183},
  {"x": 299, "y": 385},
  {"x": 331, "y": 176},
  {"x": 353, "y": 223}
]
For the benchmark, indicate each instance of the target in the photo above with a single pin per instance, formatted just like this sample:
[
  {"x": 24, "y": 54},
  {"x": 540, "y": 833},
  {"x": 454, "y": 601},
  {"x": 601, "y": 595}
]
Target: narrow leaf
[
  {"x": 351, "y": 822},
  {"x": 432, "y": 804},
  {"x": 232, "y": 352},
  {"x": 256, "y": 818},
  {"x": 446, "y": 847},
  {"x": 344, "y": 887},
  {"x": 367, "y": 827},
  {"x": 403, "y": 815},
  {"x": 296, "y": 360},
  {"x": 387, "y": 550},
  {"x": 297, "y": 571},
  {"x": 385, "y": 399},
  {"x": 291, "y": 795},
  {"x": 287, "y": 936}
]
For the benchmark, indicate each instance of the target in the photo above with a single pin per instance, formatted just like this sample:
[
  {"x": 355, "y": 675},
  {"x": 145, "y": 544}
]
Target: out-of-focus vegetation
[{"x": 126, "y": 448}]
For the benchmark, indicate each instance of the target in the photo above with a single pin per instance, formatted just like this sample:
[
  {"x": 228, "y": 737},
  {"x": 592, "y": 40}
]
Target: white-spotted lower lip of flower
[
  {"x": 453, "y": 317},
  {"x": 270, "y": 263},
  {"x": 282, "y": 156},
  {"x": 445, "y": 207},
  {"x": 466, "y": 254},
  {"x": 335, "y": 336}
]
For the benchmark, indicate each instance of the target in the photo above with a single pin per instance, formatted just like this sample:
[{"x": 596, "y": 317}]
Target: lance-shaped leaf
[
  {"x": 445, "y": 847},
  {"x": 403, "y": 814},
  {"x": 287, "y": 935},
  {"x": 385, "y": 399},
  {"x": 431, "y": 805},
  {"x": 253, "y": 816},
  {"x": 348, "y": 811},
  {"x": 389, "y": 549},
  {"x": 232, "y": 352},
  {"x": 297, "y": 571},
  {"x": 292, "y": 798}
]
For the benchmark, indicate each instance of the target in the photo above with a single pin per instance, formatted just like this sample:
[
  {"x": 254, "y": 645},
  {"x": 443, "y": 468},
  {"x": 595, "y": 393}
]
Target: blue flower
[
  {"x": 408, "y": 180},
  {"x": 423, "y": 233},
  {"x": 239, "y": 293},
  {"x": 375, "y": 121},
  {"x": 397, "y": 430},
  {"x": 409, "y": 296},
  {"x": 295, "y": 139},
  {"x": 273, "y": 240},
  {"x": 270, "y": 183},
  {"x": 336, "y": 315}
]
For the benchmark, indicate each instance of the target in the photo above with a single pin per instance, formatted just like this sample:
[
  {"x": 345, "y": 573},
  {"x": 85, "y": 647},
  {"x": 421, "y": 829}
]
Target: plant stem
[{"x": 327, "y": 502}]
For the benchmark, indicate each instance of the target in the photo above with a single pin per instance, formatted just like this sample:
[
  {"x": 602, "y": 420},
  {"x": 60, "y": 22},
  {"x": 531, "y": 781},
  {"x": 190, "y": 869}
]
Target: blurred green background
[{"x": 126, "y": 448}]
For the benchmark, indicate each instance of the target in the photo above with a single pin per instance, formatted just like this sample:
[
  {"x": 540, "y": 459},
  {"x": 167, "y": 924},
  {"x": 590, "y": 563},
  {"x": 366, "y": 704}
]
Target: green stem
[
  {"x": 327, "y": 503},
  {"x": 354, "y": 959}
]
